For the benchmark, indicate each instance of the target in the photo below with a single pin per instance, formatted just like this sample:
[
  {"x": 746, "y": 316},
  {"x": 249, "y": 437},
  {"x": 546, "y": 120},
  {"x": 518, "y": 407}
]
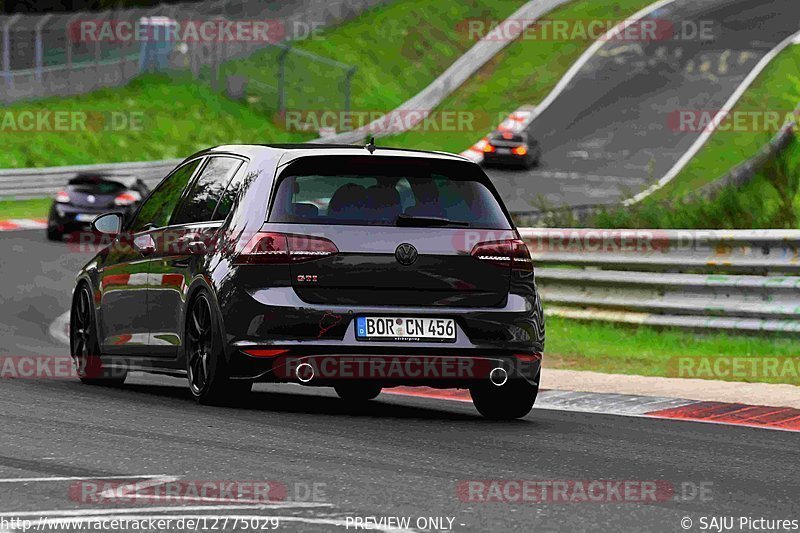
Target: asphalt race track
[
  {"x": 398, "y": 456},
  {"x": 609, "y": 135}
]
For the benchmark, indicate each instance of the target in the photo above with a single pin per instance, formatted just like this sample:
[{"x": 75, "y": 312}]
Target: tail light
[
  {"x": 488, "y": 148},
  {"x": 127, "y": 198},
  {"x": 520, "y": 150},
  {"x": 511, "y": 253},
  {"x": 528, "y": 357},
  {"x": 62, "y": 197},
  {"x": 270, "y": 248}
]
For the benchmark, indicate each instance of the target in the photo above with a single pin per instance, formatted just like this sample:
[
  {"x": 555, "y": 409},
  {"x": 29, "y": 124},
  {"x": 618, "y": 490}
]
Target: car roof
[
  {"x": 499, "y": 134},
  {"x": 290, "y": 152}
]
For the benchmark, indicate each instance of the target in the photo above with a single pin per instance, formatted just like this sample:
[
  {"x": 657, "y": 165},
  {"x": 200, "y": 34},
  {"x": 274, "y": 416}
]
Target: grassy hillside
[
  {"x": 174, "y": 117},
  {"x": 399, "y": 48}
]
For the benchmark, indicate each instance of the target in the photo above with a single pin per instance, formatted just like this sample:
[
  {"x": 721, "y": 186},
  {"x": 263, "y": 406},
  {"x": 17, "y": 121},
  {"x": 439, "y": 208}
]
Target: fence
[
  {"x": 743, "y": 281},
  {"x": 55, "y": 55}
]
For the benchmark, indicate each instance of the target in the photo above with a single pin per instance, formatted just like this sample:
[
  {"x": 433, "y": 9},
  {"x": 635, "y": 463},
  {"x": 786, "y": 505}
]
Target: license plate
[
  {"x": 371, "y": 328},
  {"x": 83, "y": 217},
  {"x": 504, "y": 151}
]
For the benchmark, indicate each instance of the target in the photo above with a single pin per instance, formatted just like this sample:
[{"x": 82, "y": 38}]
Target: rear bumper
[
  {"x": 510, "y": 160},
  {"x": 442, "y": 370},
  {"x": 276, "y": 320},
  {"x": 64, "y": 217}
]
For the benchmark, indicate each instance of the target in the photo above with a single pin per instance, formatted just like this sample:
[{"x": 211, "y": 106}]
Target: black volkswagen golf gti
[{"x": 343, "y": 266}]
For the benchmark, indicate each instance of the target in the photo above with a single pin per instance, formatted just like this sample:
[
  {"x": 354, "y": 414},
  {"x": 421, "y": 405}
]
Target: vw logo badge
[
  {"x": 406, "y": 254},
  {"x": 91, "y": 198}
]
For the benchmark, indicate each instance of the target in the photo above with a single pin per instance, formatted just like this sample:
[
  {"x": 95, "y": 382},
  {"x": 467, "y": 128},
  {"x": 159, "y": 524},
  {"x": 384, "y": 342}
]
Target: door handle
[
  {"x": 145, "y": 244},
  {"x": 196, "y": 247},
  {"x": 192, "y": 243}
]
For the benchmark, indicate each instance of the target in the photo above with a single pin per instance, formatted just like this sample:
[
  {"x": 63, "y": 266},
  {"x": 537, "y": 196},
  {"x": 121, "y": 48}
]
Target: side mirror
[{"x": 110, "y": 223}]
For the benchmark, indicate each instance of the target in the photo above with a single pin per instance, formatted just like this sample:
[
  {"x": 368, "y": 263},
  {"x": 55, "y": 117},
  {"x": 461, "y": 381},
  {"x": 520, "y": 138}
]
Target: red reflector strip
[
  {"x": 528, "y": 357},
  {"x": 264, "y": 353}
]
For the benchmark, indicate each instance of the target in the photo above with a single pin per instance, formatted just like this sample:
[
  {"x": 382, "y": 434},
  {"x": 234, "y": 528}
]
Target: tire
[
  {"x": 358, "y": 392},
  {"x": 206, "y": 369},
  {"x": 513, "y": 400},
  {"x": 54, "y": 234},
  {"x": 83, "y": 345}
]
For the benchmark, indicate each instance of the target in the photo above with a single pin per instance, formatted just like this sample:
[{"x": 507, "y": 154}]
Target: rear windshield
[{"x": 378, "y": 191}]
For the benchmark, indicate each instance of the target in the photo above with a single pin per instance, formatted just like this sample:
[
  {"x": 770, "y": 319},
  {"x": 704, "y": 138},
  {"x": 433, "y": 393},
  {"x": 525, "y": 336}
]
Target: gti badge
[{"x": 406, "y": 254}]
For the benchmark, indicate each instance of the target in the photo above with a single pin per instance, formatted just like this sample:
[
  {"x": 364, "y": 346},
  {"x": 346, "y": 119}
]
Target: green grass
[
  {"x": 175, "y": 117},
  {"x": 398, "y": 49},
  {"x": 776, "y": 89},
  {"x": 524, "y": 73},
  {"x": 648, "y": 351},
  {"x": 36, "y": 208}
]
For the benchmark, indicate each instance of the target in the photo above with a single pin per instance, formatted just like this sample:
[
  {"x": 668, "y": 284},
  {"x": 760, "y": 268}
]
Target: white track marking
[
  {"x": 76, "y": 478},
  {"x": 79, "y": 513},
  {"x": 712, "y": 127},
  {"x": 133, "y": 488},
  {"x": 703, "y": 138},
  {"x": 592, "y": 50},
  {"x": 59, "y": 329},
  {"x": 201, "y": 499},
  {"x": 221, "y": 518}
]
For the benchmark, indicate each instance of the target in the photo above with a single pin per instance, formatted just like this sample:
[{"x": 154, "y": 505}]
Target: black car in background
[
  {"x": 88, "y": 195},
  {"x": 510, "y": 148},
  {"x": 321, "y": 265}
]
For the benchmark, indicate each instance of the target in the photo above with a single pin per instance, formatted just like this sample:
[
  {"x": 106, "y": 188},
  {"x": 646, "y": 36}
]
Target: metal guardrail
[
  {"x": 40, "y": 182},
  {"x": 745, "y": 281}
]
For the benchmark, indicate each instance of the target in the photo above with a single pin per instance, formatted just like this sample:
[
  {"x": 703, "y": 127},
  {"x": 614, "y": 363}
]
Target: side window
[
  {"x": 229, "y": 196},
  {"x": 160, "y": 205},
  {"x": 208, "y": 188}
]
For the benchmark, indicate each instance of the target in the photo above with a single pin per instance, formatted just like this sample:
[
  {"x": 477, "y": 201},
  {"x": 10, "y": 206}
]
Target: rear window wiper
[{"x": 423, "y": 222}]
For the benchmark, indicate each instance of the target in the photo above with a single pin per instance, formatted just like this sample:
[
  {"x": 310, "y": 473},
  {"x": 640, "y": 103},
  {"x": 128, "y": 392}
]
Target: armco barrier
[
  {"x": 745, "y": 281},
  {"x": 41, "y": 182}
]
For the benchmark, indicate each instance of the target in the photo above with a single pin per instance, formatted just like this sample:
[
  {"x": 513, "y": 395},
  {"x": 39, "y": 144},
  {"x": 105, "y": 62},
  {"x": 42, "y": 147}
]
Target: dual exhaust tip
[
  {"x": 305, "y": 373},
  {"x": 498, "y": 376}
]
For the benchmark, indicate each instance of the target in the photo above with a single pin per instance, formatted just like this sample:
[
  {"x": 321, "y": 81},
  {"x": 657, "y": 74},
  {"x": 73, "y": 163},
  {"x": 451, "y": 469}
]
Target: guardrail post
[
  {"x": 7, "y": 52},
  {"x": 38, "y": 47},
  {"x": 70, "y": 35},
  {"x": 97, "y": 63},
  {"x": 348, "y": 79},
  {"x": 282, "y": 78}
]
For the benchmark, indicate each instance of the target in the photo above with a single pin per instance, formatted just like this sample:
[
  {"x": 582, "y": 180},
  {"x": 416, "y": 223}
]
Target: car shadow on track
[{"x": 311, "y": 402}]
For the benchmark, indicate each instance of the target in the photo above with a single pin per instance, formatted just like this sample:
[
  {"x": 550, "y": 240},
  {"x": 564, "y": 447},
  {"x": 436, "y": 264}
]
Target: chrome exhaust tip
[
  {"x": 304, "y": 372},
  {"x": 498, "y": 376}
]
